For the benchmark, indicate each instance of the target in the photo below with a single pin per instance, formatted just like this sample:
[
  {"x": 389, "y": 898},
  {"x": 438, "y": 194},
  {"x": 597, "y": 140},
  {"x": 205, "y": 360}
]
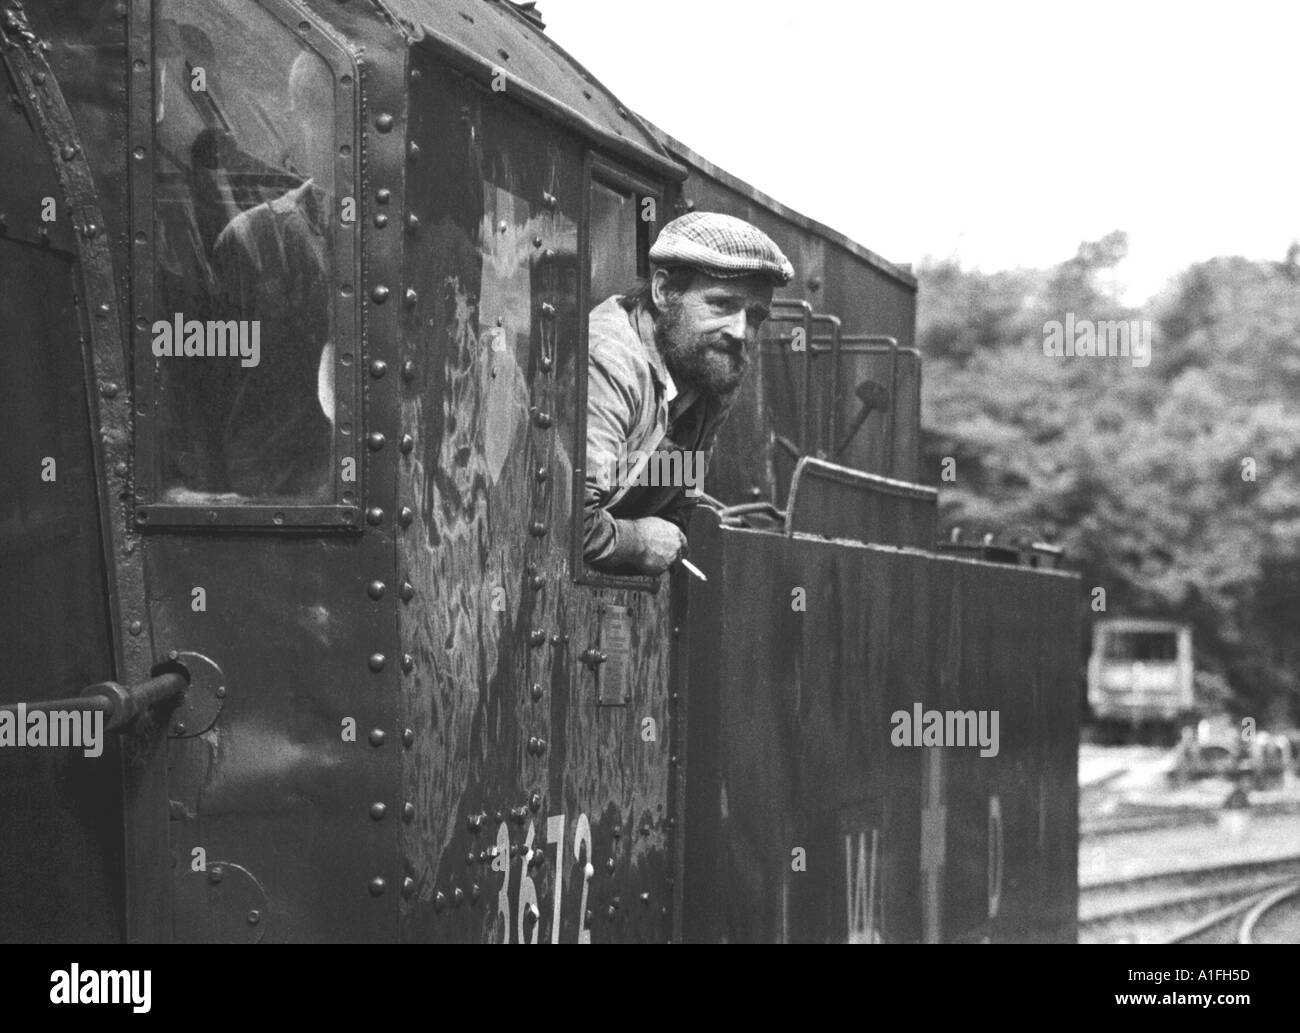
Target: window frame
[
  {"x": 598, "y": 168},
  {"x": 344, "y": 511}
]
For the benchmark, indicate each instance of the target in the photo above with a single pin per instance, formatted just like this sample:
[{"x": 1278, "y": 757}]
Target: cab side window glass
[{"x": 245, "y": 208}]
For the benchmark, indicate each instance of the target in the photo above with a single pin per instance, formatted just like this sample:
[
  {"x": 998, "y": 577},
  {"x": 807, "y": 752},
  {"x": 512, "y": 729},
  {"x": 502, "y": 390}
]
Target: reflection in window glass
[
  {"x": 244, "y": 206},
  {"x": 613, "y": 241}
]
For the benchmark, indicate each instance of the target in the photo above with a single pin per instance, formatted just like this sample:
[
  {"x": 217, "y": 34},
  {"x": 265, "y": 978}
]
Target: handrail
[{"x": 119, "y": 704}]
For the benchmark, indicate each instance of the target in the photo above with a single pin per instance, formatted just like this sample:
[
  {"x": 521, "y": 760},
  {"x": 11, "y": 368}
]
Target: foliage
[{"x": 1140, "y": 473}]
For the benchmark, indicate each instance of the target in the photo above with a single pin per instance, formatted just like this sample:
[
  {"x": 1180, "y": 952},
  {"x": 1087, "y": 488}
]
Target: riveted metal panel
[
  {"x": 790, "y": 759},
  {"x": 297, "y": 783},
  {"x": 78, "y": 353},
  {"x": 509, "y": 750}
]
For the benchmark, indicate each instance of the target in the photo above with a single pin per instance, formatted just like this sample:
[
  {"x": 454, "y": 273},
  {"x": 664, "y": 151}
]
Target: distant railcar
[
  {"x": 294, "y": 314},
  {"x": 1141, "y": 673}
]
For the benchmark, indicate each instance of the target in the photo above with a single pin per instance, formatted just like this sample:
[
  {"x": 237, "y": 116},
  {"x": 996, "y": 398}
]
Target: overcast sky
[{"x": 998, "y": 133}]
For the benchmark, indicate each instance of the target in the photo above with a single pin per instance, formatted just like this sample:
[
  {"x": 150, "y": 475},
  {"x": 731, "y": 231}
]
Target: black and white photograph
[{"x": 651, "y": 472}]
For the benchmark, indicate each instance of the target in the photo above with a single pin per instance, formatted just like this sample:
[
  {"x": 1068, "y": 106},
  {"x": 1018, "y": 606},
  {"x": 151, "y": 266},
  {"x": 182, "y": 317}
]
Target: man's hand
[{"x": 661, "y": 544}]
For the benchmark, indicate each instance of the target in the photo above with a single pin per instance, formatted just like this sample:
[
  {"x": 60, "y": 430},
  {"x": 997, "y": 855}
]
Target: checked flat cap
[{"x": 722, "y": 246}]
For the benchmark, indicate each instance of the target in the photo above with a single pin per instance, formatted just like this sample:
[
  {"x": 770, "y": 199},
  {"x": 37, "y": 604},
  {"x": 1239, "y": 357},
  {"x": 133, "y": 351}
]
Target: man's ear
[{"x": 658, "y": 282}]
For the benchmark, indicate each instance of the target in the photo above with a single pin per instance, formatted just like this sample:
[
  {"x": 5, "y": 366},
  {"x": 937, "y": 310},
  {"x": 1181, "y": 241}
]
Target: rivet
[
  {"x": 412, "y": 223},
  {"x": 377, "y": 737},
  {"x": 376, "y": 662},
  {"x": 474, "y": 892},
  {"x": 532, "y": 744},
  {"x": 537, "y": 528},
  {"x": 378, "y": 367},
  {"x": 109, "y": 390},
  {"x": 408, "y": 370},
  {"x": 537, "y": 637},
  {"x": 405, "y": 515},
  {"x": 412, "y": 151},
  {"x": 535, "y": 802},
  {"x": 538, "y": 582},
  {"x": 377, "y": 886},
  {"x": 408, "y": 663},
  {"x": 592, "y": 657},
  {"x": 518, "y": 815},
  {"x": 384, "y": 123},
  {"x": 545, "y": 363},
  {"x": 91, "y": 231},
  {"x": 537, "y": 242},
  {"x": 102, "y": 309},
  {"x": 216, "y": 873},
  {"x": 254, "y": 917},
  {"x": 548, "y": 310},
  {"x": 69, "y": 152},
  {"x": 121, "y": 469},
  {"x": 221, "y": 692},
  {"x": 672, "y": 761},
  {"x": 379, "y": 294},
  {"x": 609, "y": 865},
  {"x": 406, "y": 444},
  {"x": 377, "y": 811},
  {"x": 475, "y": 823},
  {"x": 537, "y": 691},
  {"x": 407, "y": 591},
  {"x": 497, "y": 819},
  {"x": 383, "y": 195},
  {"x": 408, "y": 886},
  {"x": 543, "y": 420},
  {"x": 375, "y": 440},
  {"x": 542, "y": 475},
  {"x": 410, "y": 297},
  {"x": 135, "y": 627},
  {"x": 670, "y": 822},
  {"x": 381, "y": 220},
  {"x": 549, "y": 200},
  {"x": 374, "y": 516},
  {"x": 502, "y": 226},
  {"x": 549, "y": 254},
  {"x": 645, "y": 898},
  {"x": 677, "y": 629},
  {"x": 541, "y": 746},
  {"x": 408, "y": 738},
  {"x": 555, "y": 638},
  {"x": 440, "y": 902},
  {"x": 470, "y": 858},
  {"x": 38, "y": 78},
  {"x": 610, "y": 912},
  {"x": 408, "y": 812},
  {"x": 457, "y": 897}
]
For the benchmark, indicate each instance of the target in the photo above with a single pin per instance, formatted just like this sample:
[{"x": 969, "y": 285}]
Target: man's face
[{"x": 707, "y": 334}]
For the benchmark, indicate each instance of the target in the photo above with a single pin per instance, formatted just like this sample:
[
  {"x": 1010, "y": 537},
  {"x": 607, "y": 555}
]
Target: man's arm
[{"x": 648, "y": 545}]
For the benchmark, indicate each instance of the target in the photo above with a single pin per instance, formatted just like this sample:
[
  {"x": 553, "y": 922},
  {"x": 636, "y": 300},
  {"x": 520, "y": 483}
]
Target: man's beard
[{"x": 691, "y": 358}]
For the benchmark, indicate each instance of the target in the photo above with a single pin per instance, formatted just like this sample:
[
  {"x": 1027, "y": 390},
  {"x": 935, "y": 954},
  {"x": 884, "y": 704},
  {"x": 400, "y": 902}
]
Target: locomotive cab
[{"x": 297, "y": 302}]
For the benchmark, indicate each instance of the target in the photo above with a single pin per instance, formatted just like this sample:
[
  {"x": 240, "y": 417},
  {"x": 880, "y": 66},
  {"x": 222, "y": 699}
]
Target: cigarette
[{"x": 693, "y": 569}]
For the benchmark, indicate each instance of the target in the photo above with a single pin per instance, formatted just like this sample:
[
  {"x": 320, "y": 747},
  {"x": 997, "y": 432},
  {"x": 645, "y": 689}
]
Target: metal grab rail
[{"x": 119, "y": 704}]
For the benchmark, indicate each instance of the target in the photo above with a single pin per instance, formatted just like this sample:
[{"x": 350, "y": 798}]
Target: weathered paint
[{"x": 788, "y": 742}]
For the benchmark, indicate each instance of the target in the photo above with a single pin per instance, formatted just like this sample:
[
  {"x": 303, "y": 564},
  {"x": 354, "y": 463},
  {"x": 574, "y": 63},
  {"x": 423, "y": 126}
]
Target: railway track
[{"x": 1200, "y": 905}]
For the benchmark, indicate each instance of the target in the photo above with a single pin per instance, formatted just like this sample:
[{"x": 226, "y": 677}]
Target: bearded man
[{"x": 664, "y": 362}]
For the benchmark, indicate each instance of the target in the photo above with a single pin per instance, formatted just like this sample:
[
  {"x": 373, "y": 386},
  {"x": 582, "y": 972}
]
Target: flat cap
[{"x": 722, "y": 246}]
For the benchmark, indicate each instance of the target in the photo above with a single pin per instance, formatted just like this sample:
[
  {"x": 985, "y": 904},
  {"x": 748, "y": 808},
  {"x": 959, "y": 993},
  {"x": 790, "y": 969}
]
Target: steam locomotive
[{"x": 294, "y": 304}]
